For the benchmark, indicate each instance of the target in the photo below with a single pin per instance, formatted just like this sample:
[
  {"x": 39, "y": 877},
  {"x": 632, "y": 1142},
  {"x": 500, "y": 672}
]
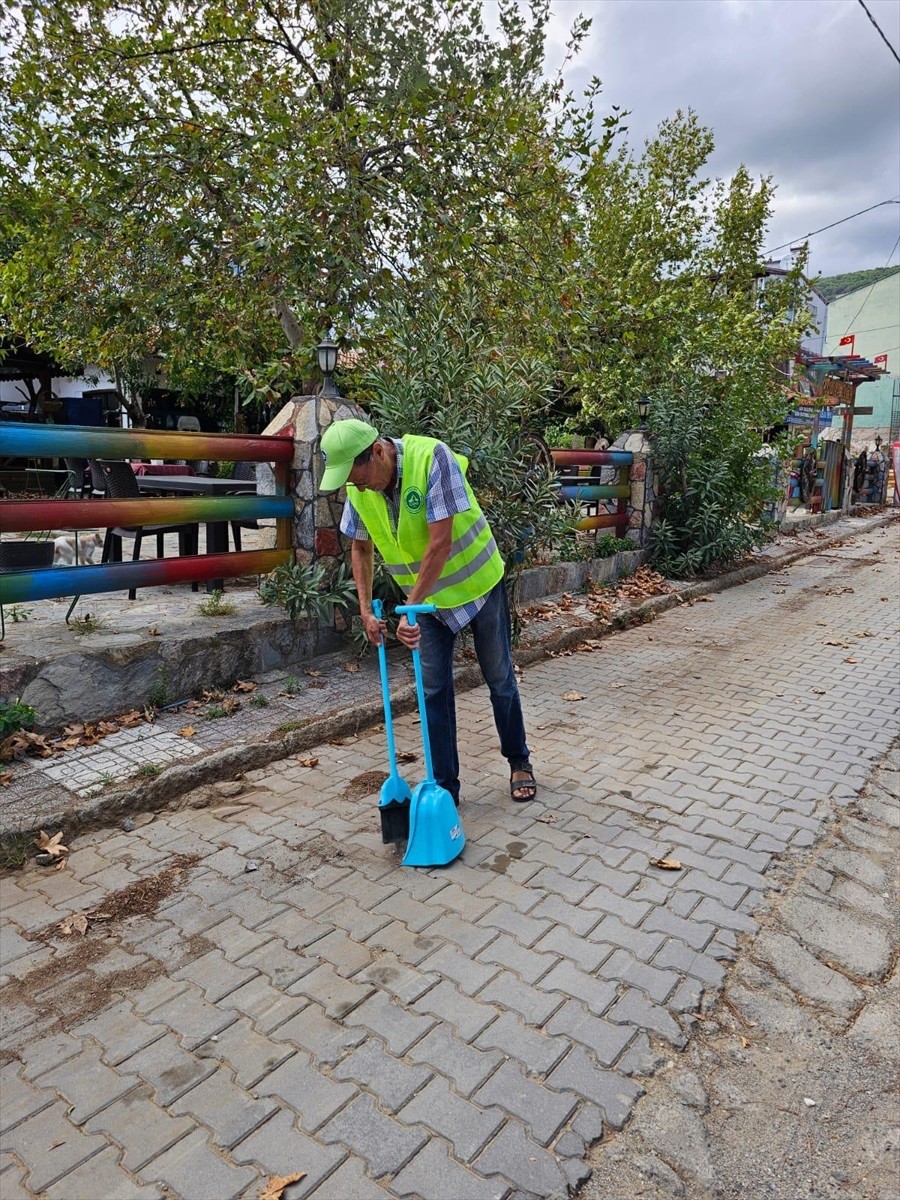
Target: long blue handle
[
  {"x": 386, "y": 695},
  {"x": 409, "y": 611}
]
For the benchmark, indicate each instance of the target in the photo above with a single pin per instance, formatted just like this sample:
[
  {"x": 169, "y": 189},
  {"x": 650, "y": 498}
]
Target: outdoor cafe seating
[{"x": 120, "y": 483}]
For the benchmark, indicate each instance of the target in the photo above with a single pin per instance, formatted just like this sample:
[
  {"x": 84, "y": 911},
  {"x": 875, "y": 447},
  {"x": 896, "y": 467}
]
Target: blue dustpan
[{"x": 436, "y": 834}]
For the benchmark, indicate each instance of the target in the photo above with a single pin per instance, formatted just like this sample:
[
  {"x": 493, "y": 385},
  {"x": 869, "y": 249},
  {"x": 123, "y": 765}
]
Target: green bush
[
  {"x": 608, "y": 545},
  {"x": 15, "y": 715},
  {"x": 712, "y": 487},
  {"x": 307, "y": 591}
]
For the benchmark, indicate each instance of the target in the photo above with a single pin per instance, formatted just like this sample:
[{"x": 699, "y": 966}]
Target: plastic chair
[
  {"x": 121, "y": 484},
  {"x": 243, "y": 471},
  {"x": 78, "y": 477},
  {"x": 26, "y": 555}
]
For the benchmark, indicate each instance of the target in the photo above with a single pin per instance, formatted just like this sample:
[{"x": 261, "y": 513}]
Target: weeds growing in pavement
[{"x": 215, "y": 606}]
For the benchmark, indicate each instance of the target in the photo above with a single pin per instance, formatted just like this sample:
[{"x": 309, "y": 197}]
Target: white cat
[{"x": 64, "y": 549}]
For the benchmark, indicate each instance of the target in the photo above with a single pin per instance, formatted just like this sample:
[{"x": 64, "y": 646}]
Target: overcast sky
[{"x": 804, "y": 90}]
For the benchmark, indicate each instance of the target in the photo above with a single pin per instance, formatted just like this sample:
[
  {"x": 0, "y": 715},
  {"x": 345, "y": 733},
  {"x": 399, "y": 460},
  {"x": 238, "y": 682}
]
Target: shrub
[
  {"x": 302, "y": 590},
  {"x": 15, "y": 715}
]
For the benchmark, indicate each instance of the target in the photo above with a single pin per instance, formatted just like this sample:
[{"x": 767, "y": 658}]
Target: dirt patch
[
  {"x": 66, "y": 988},
  {"x": 77, "y": 992},
  {"x": 366, "y": 784},
  {"x": 139, "y": 899}
]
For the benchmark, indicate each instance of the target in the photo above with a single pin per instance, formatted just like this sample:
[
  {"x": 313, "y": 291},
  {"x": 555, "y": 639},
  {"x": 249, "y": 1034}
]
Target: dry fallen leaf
[
  {"x": 51, "y": 845},
  {"x": 833, "y": 642},
  {"x": 572, "y": 696},
  {"x": 5, "y": 779},
  {"x": 818, "y": 691},
  {"x": 244, "y": 685},
  {"x": 865, "y": 633},
  {"x": 154, "y": 631},
  {"x": 77, "y": 923},
  {"x": 311, "y": 671},
  {"x": 666, "y": 864},
  {"x": 745, "y": 1042},
  {"x": 275, "y": 1186},
  {"x": 307, "y": 762},
  {"x": 851, "y": 660},
  {"x": 231, "y": 704},
  {"x": 548, "y": 817},
  {"x": 406, "y": 756},
  {"x": 351, "y": 666},
  {"x": 187, "y": 731}
]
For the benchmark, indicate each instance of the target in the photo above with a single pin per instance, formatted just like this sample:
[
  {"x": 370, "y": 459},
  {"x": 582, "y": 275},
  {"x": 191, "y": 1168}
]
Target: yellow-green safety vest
[{"x": 474, "y": 563}]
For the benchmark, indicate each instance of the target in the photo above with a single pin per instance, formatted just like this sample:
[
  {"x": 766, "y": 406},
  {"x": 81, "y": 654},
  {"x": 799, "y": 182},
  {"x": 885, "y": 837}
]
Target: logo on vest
[{"x": 413, "y": 499}]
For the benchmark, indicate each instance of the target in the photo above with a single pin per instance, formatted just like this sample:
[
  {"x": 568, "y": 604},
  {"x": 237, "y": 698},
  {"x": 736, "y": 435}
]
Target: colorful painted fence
[
  {"x": 216, "y": 512},
  {"x": 580, "y": 481}
]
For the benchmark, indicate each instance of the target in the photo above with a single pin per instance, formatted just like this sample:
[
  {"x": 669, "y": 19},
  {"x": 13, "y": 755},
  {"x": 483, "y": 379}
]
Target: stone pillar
[
  {"x": 642, "y": 502},
  {"x": 316, "y": 517}
]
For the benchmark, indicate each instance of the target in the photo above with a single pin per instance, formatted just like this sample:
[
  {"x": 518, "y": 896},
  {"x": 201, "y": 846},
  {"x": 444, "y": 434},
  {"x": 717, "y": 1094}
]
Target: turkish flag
[
  {"x": 880, "y": 360},
  {"x": 847, "y": 341}
]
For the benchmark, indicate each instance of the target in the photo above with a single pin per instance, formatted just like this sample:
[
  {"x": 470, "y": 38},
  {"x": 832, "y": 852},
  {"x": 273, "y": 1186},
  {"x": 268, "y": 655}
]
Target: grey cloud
[{"x": 801, "y": 89}]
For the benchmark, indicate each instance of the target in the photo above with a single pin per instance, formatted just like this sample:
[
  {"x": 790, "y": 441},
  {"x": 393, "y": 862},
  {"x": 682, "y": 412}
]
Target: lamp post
[
  {"x": 327, "y": 355},
  {"x": 643, "y": 407}
]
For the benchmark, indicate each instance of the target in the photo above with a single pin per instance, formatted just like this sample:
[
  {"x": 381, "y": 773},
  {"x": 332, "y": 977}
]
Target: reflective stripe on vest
[{"x": 456, "y": 546}]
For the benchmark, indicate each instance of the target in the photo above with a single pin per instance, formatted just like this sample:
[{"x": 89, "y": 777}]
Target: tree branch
[{"x": 294, "y": 51}]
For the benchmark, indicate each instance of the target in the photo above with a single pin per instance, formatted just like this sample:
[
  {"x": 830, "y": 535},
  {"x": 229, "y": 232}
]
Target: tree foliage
[
  {"x": 443, "y": 374},
  {"x": 218, "y": 183},
  {"x": 669, "y": 303}
]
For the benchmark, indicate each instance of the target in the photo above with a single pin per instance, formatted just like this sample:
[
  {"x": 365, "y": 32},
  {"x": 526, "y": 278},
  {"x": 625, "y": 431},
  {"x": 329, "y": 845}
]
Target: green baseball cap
[{"x": 340, "y": 444}]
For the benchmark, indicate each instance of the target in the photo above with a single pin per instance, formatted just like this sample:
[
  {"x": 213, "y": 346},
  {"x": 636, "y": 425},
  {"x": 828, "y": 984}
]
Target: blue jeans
[{"x": 490, "y": 630}]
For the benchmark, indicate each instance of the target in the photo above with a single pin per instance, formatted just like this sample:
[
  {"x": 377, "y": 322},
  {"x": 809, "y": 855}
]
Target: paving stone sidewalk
[
  {"x": 290, "y": 709},
  {"x": 264, "y": 990}
]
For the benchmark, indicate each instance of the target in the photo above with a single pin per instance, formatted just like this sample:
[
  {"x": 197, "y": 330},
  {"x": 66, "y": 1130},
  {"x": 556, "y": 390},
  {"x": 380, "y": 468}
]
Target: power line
[
  {"x": 796, "y": 241},
  {"x": 869, "y": 292},
  {"x": 878, "y": 27}
]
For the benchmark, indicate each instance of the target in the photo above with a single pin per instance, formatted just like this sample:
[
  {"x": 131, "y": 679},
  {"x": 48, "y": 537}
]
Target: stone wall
[
  {"x": 316, "y": 517},
  {"x": 642, "y": 502}
]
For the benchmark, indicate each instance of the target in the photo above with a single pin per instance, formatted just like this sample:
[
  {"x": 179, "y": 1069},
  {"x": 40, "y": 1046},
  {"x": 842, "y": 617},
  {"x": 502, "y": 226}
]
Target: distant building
[
  {"x": 870, "y": 316},
  {"x": 813, "y": 340}
]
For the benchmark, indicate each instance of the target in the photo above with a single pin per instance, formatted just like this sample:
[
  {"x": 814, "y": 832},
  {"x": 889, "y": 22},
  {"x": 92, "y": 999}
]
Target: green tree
[
  {"x": 442, "y": 373},
  {"x": 216, "y": 184},
  {"x": 672, "y": 303}
]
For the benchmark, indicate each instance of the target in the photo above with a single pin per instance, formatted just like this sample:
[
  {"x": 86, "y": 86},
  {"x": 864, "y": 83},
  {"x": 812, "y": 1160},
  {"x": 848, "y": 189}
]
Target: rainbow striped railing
[
  {"x": 58, "y": 441},
  {"x": 578, "y": 474}
]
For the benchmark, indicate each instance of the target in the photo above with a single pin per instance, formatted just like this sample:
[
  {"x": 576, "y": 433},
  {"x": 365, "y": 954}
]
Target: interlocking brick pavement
[{"x": 459, "y": 1032}]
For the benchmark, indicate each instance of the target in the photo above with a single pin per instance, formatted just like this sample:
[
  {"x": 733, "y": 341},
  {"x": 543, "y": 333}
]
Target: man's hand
[
  {"x": 409, "y": 635},
  {"x": 375, "y": 629}
]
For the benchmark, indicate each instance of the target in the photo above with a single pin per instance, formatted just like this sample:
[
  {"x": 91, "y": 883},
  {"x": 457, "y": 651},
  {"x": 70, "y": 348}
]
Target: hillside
[{"x": 833, "y": 286}]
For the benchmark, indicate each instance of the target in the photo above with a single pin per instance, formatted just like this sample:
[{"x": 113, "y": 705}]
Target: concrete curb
[{"x": 171, "y": 789}]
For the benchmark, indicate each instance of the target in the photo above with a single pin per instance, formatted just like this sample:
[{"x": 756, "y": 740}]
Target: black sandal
[{"x": 529, "y": 784}]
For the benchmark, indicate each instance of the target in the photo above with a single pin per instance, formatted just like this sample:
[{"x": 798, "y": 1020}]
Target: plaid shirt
[{"x": 446, "y": 496}]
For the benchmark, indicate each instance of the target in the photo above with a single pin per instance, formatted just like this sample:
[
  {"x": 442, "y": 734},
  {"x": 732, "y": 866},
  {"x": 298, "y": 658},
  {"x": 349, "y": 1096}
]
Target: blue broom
[{"x": 393, "y": 807}]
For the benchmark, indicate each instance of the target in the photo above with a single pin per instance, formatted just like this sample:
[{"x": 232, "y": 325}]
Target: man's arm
[{"x": 362, "y": 564}]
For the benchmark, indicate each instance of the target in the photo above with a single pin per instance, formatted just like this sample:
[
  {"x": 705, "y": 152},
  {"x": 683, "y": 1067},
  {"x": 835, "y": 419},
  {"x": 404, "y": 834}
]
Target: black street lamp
[
  {"x": 643, "y": 407},
  {"x": 327, "y": 355}
]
